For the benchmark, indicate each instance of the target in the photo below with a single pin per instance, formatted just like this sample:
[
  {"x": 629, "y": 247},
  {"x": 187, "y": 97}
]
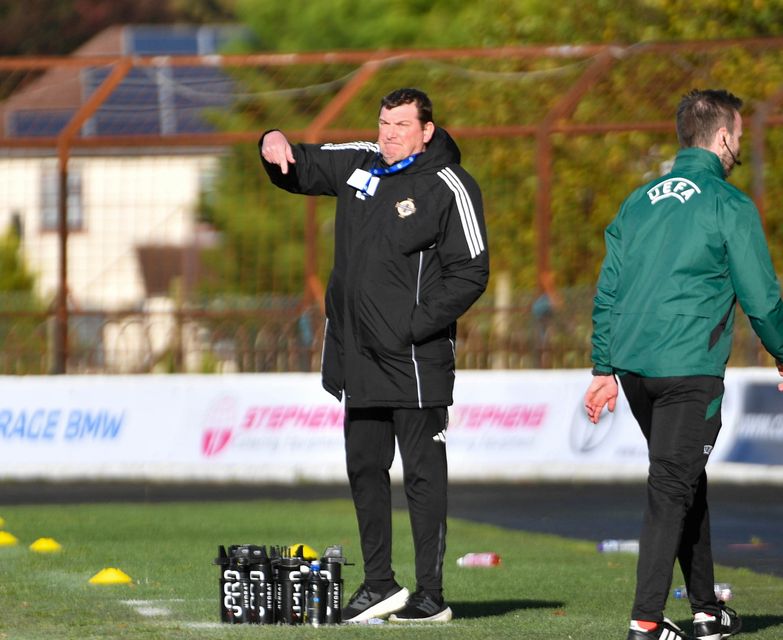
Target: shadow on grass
[
  {"x": 499, "y": 607},
  {"x": 749, "y": 623},
  {"x": 757, "y": 623}
]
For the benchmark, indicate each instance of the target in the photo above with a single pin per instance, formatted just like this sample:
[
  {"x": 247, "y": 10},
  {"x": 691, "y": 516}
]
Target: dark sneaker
[
  {"x": 708, "y": 627},
  {"x": 366, "y": 603},
  {"x": 665, "y": 630},
  {"x": 421, "y": 607}
]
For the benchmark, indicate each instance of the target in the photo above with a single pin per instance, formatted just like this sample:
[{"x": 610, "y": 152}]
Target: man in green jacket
[{"x": 681, "y": 252}]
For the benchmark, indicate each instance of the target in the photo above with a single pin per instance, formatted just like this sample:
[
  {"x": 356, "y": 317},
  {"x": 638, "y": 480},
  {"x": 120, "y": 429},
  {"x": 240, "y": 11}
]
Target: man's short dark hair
[
  {"x": 400, "y": 97},
  {"x": 702, "y": 112}
]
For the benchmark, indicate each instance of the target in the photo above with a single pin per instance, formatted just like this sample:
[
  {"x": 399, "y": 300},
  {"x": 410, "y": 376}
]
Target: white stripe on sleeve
[
  {"x": 467, "y": 213},
  {"x": 356, "y": 146}
]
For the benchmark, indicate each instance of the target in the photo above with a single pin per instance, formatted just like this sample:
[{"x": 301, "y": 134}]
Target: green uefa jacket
[{"x": 681, "y": 252}]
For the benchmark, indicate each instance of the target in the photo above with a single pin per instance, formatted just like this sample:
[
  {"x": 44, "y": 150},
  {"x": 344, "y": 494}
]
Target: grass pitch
[{"x": 546, "y": 588}]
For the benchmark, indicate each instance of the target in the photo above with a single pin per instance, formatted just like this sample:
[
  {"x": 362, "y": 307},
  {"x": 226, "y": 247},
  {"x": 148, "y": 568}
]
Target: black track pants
[
  {"x": 680, "y": 419},
  {"x": 369, "y": 446}
]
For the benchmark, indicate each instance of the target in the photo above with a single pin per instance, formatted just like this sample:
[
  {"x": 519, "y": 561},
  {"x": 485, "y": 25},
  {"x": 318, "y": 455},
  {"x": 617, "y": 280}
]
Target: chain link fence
[{"x": 140, "y": 234}]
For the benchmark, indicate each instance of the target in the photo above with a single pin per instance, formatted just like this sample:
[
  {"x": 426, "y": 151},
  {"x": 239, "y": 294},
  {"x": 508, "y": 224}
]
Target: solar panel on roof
[
  {"x": 107, "y": 123},
  {"x": 38, "y": 123},
  {"x": 159, "y": 100},
  {"x": 154, "y": 40},
  {"x": 206, "y": 79},
  {"x": 150, "y": 100},
  {"x": 146, "y": 42},
  {"x": 202, "y": 86},
  {"x": 133, "y": 108},
  {"x": 138, "y": 89},
  {"x": 192, "y": 121}
]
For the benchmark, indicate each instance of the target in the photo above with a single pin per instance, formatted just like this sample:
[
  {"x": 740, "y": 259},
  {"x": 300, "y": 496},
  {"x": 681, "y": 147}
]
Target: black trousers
[
  {"x": 369, "y": 445},
  {"x": 680, "y": 418}
]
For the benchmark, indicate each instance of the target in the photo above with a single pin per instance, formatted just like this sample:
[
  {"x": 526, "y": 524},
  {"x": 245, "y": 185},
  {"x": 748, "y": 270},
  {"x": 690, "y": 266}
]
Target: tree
[
  {"x": 592, "y": 172},
  {"x": 15, "y": 278},
  {"x": 22, "y": 337},
  {"x": 58, "y": 27}
]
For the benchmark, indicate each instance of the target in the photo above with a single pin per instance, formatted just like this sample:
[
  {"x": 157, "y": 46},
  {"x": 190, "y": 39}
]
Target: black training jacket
[{"x": 409, "y": 260}]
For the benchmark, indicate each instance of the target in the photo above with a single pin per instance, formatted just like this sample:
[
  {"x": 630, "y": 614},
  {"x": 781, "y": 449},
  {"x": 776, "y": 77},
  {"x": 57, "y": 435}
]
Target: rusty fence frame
[{"x": 556, "y": 121}]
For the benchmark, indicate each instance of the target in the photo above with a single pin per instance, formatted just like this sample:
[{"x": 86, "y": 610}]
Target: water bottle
[
  {"x": 680, "y": 593},
  {"x": 240, "y": 559},
  {"x": 262, "y": 586},
  {"x": 314, "y": 597},
  {"x": 332, "y": 573},
  {"x": 226, "y": 586},
  {"x": 232, "y": 576},
  {"x": 275, "y": 559},
  {"x": 486, "y": 559},
  {"x": 722, "y": 592},
  {"x": 618, "y": 546},
  {"x": 290, "y": 596}
]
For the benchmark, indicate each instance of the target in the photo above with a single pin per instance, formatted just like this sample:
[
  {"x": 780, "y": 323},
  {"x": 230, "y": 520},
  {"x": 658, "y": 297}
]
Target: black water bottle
[
  {"x": 275, "y": 559},
  {"x": 290, "y": 591},
  {"x": 225, "y": 595},
  {"x": 332, "y": 574},
  {"x": 239, "y": 556},
  {"x": 231, "y": 610},
  {"x": 262, "y": 586}
]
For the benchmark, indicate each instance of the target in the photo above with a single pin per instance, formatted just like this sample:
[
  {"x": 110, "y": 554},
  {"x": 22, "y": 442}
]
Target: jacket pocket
[
  {"x": 384, "y": 323},
  {"x": 438, "y": 350}
]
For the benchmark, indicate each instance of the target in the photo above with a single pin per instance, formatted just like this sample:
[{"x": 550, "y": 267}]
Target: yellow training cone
[
  {"x": 111, "y": 576},
  {"x": 2, "y": 523},
  {"x": 46, "y": 545},
  {"x": 7, "y": 539}
]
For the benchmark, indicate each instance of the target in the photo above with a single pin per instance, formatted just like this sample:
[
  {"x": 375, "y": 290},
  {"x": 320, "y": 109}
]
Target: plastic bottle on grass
[
  {"x": 722, "y": 592},
  {"x": 487, "y": 559},
  {"x": 618, "y": 546}
]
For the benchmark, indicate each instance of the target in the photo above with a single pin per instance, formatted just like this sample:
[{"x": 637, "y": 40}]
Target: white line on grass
[
  {"x": 204, "y": 625},
  {"x": 151, "y": 608}
]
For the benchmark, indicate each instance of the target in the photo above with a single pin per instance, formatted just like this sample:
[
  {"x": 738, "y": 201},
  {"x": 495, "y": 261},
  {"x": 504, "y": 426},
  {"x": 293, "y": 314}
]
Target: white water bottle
[
  {"x": 487, "y": 559},
  {"x": 618, "y": 546}
]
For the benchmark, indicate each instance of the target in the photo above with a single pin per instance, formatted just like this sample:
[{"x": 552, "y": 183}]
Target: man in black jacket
[{"x": 410, "y": 258}]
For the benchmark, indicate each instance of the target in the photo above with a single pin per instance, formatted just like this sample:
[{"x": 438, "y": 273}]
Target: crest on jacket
[{"x": 406, "y": 208}]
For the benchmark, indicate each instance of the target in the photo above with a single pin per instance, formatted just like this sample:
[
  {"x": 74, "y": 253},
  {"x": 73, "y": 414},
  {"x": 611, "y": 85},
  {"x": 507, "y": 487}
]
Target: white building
[{"x": 132, "y": 211}]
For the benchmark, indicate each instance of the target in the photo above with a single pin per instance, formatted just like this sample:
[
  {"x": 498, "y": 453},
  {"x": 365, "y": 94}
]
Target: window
[{"x": 50, "y": 191}]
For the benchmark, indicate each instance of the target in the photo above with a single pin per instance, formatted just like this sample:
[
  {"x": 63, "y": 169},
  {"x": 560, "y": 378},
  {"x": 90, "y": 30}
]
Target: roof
[{"x": 159, "y": 100}]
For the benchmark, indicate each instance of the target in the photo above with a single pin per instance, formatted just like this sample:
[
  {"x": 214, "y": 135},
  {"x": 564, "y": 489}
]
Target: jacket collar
[{"x": 698, "y": 159}]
